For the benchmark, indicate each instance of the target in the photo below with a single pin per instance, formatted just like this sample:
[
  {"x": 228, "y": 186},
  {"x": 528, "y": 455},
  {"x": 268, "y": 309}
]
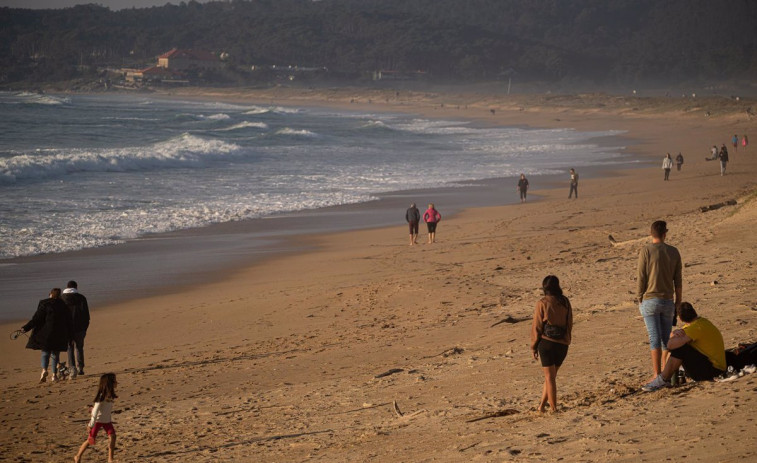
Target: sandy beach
[{"x": 362, "y": 348}]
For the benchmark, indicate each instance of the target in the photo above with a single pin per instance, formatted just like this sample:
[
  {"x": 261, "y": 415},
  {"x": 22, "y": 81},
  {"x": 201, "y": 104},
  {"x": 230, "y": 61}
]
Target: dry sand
[{"x": 282, "y": 361}]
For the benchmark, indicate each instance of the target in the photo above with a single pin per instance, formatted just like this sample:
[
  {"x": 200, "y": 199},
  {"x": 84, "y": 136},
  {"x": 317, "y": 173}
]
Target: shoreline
[
  {"x": 264, "y": 238},
  {"x": 296, "y": 350}
]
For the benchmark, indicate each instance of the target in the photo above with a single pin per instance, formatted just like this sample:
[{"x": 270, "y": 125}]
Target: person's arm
[
  {"x": 677, "y": 339},
  {"x": 537, "y": 326},
  {"x": 95, "y": 412},
  {"x": 37, "y": 320},
  {"x": 641, "y": 275}
]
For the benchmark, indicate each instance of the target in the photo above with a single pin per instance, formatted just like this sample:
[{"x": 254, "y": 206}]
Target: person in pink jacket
[{"x": 431, "y": 217}]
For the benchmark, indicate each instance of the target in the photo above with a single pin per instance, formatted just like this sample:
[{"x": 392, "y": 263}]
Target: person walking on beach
[
  {"x": 744, "y": 142},
  {"x": 431, "y": 217},
  {"x": 723, "y": 159},
  {"x": 51, "y": 332},
  {"x": 101, "y": 416},
  {"x": 659, "y": 290},
  {"x": 679, "y": 161},
  {"x": 667, "y": 164},
  {"x": 735, "y": 141},
  {"x": 573, "y": 183},
  {"x": 523, "y": 187},
  {"x": 77, "y": 306},
  {"x": 551, "y": 331},
  {"x": 698, "y": 347},
  {"x": 413, "y": 217}
]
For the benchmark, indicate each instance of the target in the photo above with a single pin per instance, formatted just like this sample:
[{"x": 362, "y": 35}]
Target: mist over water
[{"x": 86, "y": 171}]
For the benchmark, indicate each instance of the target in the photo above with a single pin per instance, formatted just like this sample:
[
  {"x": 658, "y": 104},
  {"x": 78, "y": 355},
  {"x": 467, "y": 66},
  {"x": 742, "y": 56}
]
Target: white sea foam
[
  {"x": 183, "y": 151},
  {"x": 42, "y": 99},
  {"x": 296, "y": 132},
  {"x": 244, "y": 125}
]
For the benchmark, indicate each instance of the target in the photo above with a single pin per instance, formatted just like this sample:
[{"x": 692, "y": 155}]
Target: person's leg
[
  {"x": 671, "y": 366},
  {"x": 70, "y": 355},
  {"x": 111, "y": 446},
  {"x": 44, "y": 361},
  {"x": 79, "y": 454},
  {"x": 550, "y": 386},
  {"x": 652, "y": 322},
  {"x": 54, "y": 356},
  {"x": 79, "y": 346}
]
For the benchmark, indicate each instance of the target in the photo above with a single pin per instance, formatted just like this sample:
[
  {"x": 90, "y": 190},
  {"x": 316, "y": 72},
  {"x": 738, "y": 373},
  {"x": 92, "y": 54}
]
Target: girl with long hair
[{"x": 550, "y": 337}]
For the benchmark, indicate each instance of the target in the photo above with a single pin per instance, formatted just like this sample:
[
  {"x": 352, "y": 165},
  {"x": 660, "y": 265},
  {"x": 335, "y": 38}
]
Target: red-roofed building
[{"x": 180, "y": 60}]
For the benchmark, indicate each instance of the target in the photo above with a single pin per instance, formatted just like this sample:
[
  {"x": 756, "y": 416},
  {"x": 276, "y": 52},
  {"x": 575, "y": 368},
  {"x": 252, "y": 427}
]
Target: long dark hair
[
  {"x": 551, "y": 287},
  {"x": 107, "y": 388}
]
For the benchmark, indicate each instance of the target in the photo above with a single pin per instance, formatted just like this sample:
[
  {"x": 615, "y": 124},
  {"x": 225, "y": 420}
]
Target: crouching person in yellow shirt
[{"x": 698, "y": 346}]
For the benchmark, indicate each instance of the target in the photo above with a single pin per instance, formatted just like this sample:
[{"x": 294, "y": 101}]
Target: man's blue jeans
[{"x": 658, "y": 316}]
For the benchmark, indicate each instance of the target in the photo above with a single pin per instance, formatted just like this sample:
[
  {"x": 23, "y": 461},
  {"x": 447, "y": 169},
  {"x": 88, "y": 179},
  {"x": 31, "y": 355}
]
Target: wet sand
[{"x": 303, "y": 356}]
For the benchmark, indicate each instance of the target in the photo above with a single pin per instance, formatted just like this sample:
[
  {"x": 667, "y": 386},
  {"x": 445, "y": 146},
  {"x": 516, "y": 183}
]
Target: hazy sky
[{"x": 112, "y": 4}]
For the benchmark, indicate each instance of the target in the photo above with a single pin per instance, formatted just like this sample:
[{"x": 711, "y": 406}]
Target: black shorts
[
  {"x": 552, "y": 353},
  {"x": 413, "y": 228},
  {"x": 431, "y": 227},
  {"x": 698, "y": 367}
]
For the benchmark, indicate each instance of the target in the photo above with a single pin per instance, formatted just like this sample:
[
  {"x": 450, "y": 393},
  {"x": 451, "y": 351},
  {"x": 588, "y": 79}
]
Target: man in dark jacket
[
  {"x": 77, "y": 305},
  {"x": 51, "y": 331},
  {"x": 413, "y": 217}
]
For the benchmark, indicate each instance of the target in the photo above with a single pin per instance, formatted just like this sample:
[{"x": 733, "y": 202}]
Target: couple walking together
[
  {"x": 60, "y": 324},
  {"x": 413, "y": 217}
]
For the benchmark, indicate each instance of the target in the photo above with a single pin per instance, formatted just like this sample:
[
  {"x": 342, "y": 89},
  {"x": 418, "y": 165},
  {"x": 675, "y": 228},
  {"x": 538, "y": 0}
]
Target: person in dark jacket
[
  {"x": 77, "y": 306},
  {"x": 413, "y": 217},
  {"x": 51, "y": 331}
]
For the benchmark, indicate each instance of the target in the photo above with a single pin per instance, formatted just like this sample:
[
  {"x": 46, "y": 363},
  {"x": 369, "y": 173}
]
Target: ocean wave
[
  {"x": 244, "y": 125},
  {"x": 39, "y": 98},
  {"x": 257, "y": 110},
  {"x": 296, "y": 132},
  {"x": 183, "y": 151},
  {"x": 215, "y": 117}
]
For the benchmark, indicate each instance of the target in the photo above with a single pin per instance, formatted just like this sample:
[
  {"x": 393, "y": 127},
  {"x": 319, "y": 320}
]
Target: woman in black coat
[{"x": 51, "y": 331}]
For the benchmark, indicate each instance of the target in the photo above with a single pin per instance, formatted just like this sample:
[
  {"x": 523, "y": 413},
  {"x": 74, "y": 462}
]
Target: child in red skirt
[{"x": 101, "y": 411}]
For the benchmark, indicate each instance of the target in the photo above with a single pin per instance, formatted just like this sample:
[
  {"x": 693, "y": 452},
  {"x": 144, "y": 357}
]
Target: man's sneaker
[
  {"x": 55, "y": 378},
  {"x": 43, "y": 377},
  {"x": 81, "y": 371},
  {"x": 655, "y": 384}
]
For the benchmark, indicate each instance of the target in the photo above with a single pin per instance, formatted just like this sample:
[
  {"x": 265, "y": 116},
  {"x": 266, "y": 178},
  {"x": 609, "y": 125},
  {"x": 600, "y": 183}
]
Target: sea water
[{"x": 85, "y": 171}]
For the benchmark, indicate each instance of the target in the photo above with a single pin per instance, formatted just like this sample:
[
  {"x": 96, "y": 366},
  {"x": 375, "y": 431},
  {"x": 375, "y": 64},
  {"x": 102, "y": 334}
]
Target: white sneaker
[
  {"x": 55, "y": 379},
  {"x": 655, "y": 384},
  {"x": 43, "y": 377}
]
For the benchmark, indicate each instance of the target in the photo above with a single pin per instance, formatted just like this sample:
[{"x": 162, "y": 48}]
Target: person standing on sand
[
  {"x": 523, "y": 187},
  {"x": 744, "y": 141},
  {"x": 550, "y": 337},
  {"x": 573, "y": 183},
  {"x": 667, "y": 164},
  {"x": 101, "y": 416},
  {"x": 723, "y": 159},
  {"x": 735, "y": 141},
  {"x": 77, "y": 306},
  {"x": 698, "y": 347},
  {"x": 413, "y": 217},
  {"x": 659, "y": 281},
  {"x": 51, "y": 331},
  {"x": 679, "y": 161},
  {"x": 431, "y": 217}
]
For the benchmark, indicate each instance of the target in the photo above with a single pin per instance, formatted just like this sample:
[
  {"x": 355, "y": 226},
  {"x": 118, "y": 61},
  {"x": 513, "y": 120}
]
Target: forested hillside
[{"x": 601, "y": 41}]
